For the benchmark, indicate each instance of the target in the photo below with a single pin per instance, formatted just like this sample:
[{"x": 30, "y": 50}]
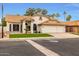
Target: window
[
  {"x": 10, "y": 27},
  {"x": 15, "y": 27}
]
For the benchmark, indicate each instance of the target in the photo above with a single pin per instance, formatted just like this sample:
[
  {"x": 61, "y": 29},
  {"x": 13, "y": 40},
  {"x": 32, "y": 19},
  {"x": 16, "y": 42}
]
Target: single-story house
[
  {"x": 33, "y": 24},
  {"x": 72, "y": 26}
]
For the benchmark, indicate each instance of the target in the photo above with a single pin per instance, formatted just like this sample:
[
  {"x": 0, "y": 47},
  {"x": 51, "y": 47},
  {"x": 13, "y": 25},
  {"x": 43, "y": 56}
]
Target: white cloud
[{"x": 73, "y": 4}]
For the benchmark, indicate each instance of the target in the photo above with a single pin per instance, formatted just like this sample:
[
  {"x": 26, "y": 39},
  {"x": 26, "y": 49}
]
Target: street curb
[{"x": 34, "y": 38}]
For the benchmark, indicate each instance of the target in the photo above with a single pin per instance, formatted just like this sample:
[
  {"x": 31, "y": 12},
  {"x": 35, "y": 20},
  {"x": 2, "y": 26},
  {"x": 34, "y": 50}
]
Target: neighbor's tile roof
[
  {"x": 72, "y": 23},
  {"x": 14, "y": 18},
  {"x": 52, "y": 22}
]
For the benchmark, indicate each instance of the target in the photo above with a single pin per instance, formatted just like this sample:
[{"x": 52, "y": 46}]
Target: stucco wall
[
  {"x": 8, "y": 24},
  {"x": 37, "y": 19}
]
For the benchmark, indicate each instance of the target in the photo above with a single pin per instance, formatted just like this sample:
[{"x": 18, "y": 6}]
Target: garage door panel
[
  {"x": 51, "y": 29},
  {"x": 60, "y": 28},
  {"x": 48, "y": 29}
]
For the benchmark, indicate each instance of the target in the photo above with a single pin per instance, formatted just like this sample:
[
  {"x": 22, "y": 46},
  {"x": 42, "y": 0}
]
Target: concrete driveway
[{"x": 64, "y": 35}]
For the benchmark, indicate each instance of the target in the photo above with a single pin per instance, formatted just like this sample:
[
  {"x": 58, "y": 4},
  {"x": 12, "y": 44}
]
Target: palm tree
[
  {"x": 44, "y": 11},
  {"x": 57, "y": 15},
  {"x": 68, "y": 18},
  {"x": 53, "y": 15},
  {"x": 65, "y": 13}
]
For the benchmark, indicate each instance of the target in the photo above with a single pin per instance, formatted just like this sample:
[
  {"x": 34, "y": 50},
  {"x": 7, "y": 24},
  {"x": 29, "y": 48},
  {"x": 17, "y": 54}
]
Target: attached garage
[{"x": 51, "y": 27}]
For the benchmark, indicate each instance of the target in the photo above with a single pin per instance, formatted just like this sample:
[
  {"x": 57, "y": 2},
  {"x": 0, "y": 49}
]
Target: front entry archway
[{"x": 34, "y": 28}]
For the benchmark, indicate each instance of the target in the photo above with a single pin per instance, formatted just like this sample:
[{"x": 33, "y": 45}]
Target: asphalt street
[
  {"x": 64, "y": 47},
  {"x": 18, "y": 48}
]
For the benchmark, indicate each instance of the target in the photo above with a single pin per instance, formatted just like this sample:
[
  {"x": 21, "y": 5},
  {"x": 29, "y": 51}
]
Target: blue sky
[{"x": 20, "y": 8}]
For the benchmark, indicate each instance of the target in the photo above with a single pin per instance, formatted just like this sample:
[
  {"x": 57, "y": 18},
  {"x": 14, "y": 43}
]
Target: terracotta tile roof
[
  {"x": 72, "y": 23},
  {"x": 52, "y": 22},
  {"x": 14, "y": 18}
]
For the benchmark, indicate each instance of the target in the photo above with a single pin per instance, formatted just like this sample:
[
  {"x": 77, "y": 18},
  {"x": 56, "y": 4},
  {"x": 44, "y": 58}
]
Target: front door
[
  {"x": 34, "y": 28},
  {"x": 28, "y": 27}
]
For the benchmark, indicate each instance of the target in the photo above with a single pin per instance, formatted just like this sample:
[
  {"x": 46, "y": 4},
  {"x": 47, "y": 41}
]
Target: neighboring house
[
  {"x": 33, "y": 24},
  {"x": 72, "y": 26}
]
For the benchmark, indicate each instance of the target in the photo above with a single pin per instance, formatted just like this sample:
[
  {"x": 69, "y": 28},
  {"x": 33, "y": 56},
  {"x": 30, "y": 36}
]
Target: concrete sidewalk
[
  {"x": 55, "y": 36},
  {"x": 21, "y": 39}
]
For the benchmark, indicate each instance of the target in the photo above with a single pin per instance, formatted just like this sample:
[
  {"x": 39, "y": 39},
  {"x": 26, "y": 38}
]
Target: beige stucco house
[{"x": 33, "y": 24}]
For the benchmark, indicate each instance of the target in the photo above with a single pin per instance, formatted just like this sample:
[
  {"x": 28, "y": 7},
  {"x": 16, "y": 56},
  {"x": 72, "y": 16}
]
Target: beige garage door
[{"x": 51, "y": 29}]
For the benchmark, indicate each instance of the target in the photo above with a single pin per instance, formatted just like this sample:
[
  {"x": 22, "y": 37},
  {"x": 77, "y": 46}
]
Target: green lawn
[{"x": 28, "y": 35}]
